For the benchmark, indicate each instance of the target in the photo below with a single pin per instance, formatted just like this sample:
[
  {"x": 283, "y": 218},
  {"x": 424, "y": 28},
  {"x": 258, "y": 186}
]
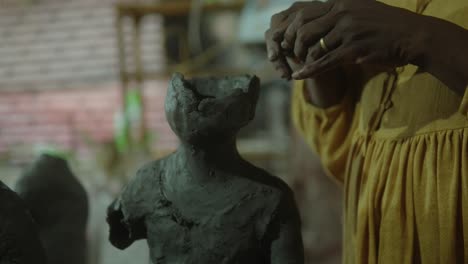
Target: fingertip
[
  {"x": 299, "y": 50},
  {"x": 360, "y": 60},
  {"x": 285, "y": 45},
  {"x": 297, "y": 60},
  {"x": 300, "y": 57},
  {"x": 297, "y": 75},
  {"x": 277, "y": 35},
  {"x": 272, "y": 56}
]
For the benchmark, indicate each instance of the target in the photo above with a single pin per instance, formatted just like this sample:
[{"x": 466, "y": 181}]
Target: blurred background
[{"x": 86, "y": 80}]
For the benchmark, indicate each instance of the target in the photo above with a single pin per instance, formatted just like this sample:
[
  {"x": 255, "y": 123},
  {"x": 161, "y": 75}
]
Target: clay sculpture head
[{"x": 210, "y": 110}]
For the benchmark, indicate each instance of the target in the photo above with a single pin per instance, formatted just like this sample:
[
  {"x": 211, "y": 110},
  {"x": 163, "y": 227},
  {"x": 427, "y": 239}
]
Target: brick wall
[
  {"x": 62, "y": 116},
  {"x": 58, "y": 72},
  {"x": 60, "y": 42}
]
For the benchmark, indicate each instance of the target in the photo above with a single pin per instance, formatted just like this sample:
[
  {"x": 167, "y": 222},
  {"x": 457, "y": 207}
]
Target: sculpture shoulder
[
  {"x": 275, "y": 185},
  {"x": 279, "y": 194},
  {"x": 142, "y": 189},
  {"x": 286, "y": 203},
  {"x": 272, "y": 199},
  {"x": 148, "y": 174},
  {"x": 273, "y": 191}
]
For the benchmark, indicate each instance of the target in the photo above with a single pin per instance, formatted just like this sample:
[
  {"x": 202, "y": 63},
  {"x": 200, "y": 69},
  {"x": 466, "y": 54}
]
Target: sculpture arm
[
  {"x": 122, "y": 233},
  {"x": 126, "y": 215},
  {"x": 287, "y": 246}
]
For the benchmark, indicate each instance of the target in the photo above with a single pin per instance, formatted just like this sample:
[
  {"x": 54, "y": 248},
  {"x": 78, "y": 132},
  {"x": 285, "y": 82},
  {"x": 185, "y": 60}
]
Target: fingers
[
  {"x": 315, "y": 52},
  {"x": 311, "y": 33},
  {"x": 313, "y": 11},
  {"x": 373, "y": 58},
  {"x": 366, "y": 60},
  {"x": 278, "y": 18},
  {"x": 273, "y": 47},
  {"x": 282, "y": 66},
  {"x": 277, "y": 26},
  {"x": 280, "y": 29},
  {"x": 332, "y": 40},
  {"x": 276, "y": 56},
  {"x": 331, "y": 60},
  {"x": 310, "y": 70},
  {"x": 274, "y": 36}
]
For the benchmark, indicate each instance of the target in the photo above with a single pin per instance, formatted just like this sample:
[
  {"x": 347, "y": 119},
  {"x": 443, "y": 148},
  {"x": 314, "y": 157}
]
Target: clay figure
[
  {"x": 19, "y": 240},
  {"x": 204, "y": 204},
  {"x": 59, "y": 205}
]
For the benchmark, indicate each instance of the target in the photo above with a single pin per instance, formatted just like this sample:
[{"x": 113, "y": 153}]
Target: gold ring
[{"x": 323, "y": 45}]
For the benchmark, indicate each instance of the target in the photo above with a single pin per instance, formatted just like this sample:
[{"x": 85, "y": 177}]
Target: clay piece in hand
[
  {"x": 19, "y": 239},
  {"x": 204, "y": 203},
  {"x": 59, "y": 204}
]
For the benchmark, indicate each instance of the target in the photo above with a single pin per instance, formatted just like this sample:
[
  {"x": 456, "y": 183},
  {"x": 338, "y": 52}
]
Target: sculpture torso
[
  {"x": 224, "y": 221},
  {"x": 204, "y": 204}
]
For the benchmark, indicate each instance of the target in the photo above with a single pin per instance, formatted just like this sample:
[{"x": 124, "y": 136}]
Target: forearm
[
  {"x": 326, "y": 90},
  {"x": 329, "y": 89},
  {"x": 445, "y": 53}
]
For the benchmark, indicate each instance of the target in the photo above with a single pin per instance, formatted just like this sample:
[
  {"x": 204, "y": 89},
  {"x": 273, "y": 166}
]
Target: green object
[
  {"x": 121, "y": 132},
  {"x": 52, "y": 151},
  {"x": 134, "y": 106},
  {"x": 127, "y": 119}
]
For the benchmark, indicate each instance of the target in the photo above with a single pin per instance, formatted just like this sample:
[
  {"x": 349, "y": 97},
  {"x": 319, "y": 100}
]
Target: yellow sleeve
[
  {"x": 328, "y": 131},
  {"x": 464, "y": 104},
  {"x": 460, "y": 17}
]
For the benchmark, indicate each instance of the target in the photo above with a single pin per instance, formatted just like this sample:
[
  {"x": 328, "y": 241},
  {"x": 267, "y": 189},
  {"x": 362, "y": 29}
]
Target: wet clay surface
[
  {"x": 204, "y": 203},
  {"x": 59, "y": 205},
  {"x": 19, "y": 241}
]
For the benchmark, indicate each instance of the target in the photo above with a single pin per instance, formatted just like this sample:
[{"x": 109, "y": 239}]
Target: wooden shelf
[
  {"x": 170, "y": 8},
  {"x": 174, "y": 8},
  {"x": 131, "y": 76}
]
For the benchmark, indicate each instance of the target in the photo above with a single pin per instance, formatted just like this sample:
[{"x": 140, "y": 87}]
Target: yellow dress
[{"x": 400, "y": 149}]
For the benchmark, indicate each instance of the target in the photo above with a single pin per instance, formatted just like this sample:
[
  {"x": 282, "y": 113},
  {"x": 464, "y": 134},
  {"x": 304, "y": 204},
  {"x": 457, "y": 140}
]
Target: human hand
[
  {"x": 274, "y": 36},
  {"x": 354, "y": 32}
]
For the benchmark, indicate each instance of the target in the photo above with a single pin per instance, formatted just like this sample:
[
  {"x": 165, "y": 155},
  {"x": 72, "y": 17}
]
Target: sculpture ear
[
  {"x": 253, "y": 94},
  {"x": 177, "y": 81},
  {"x": 254, "y": 88}
]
